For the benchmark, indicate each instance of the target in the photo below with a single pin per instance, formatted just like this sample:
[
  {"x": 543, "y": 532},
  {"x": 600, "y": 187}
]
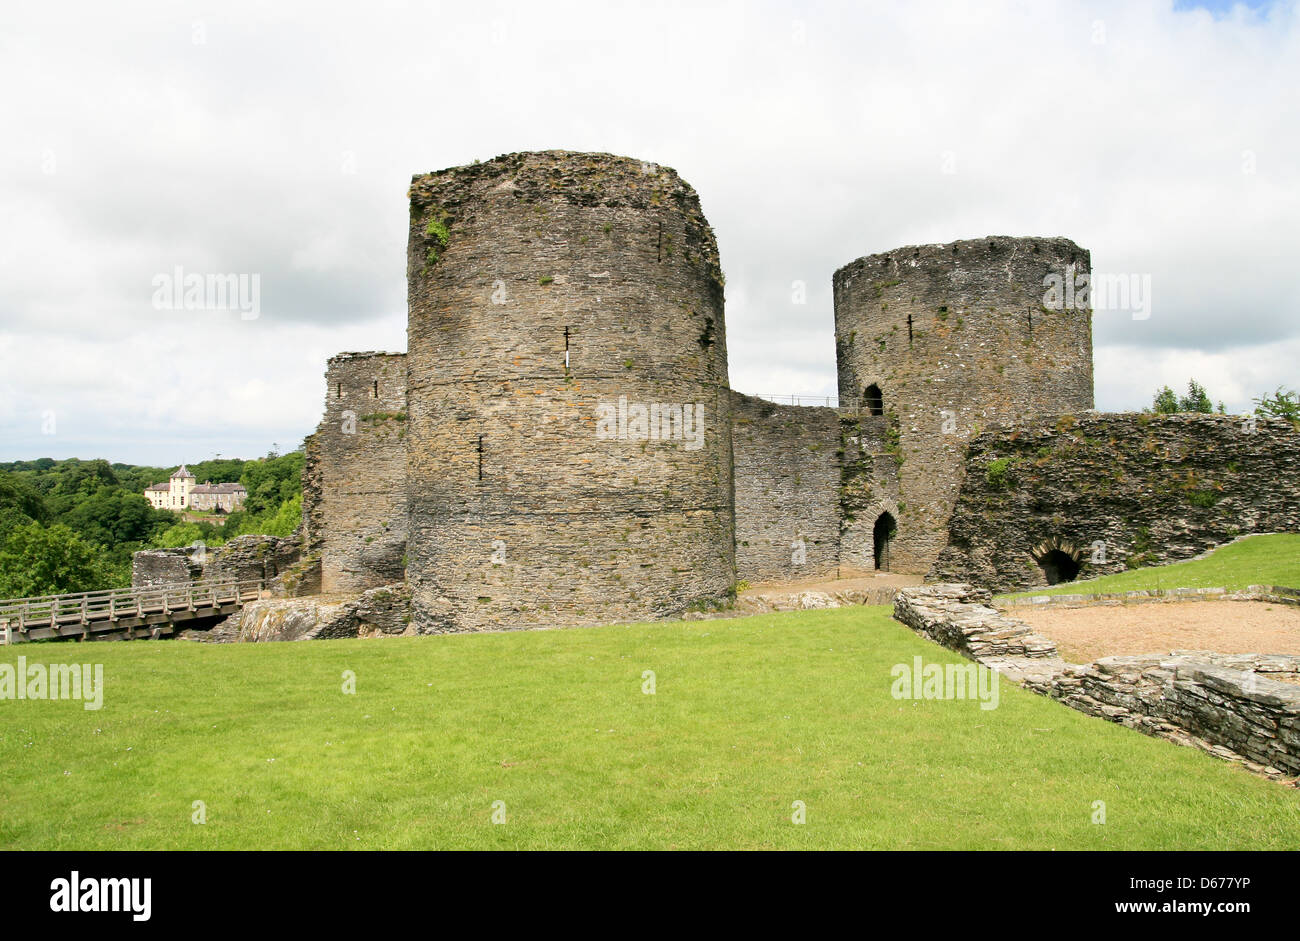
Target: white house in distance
[{"x": 181, "y": 493}]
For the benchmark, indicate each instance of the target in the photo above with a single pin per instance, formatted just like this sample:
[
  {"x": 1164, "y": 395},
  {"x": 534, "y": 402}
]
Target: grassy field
[
  {"x": 749, "y": 716},
  {"x": 1257, "y": 560}
]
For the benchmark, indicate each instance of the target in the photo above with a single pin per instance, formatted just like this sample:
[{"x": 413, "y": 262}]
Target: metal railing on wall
[{"x": 829, "y": 401}]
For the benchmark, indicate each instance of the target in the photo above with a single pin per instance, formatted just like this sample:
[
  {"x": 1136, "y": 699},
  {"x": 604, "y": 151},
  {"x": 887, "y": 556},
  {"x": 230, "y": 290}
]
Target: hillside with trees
[{"x": 72, "y": 525}]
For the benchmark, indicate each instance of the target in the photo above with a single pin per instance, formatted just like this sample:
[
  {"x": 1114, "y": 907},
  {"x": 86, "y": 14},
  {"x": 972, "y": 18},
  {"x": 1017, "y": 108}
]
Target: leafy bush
[
  {"x": 39, "y": 560},
  {"x": 1284, "y": 403},
  {"x": 998, "y": 473}
]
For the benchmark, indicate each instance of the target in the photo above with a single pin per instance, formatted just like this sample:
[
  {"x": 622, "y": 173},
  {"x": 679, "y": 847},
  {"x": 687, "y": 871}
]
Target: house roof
[
  {"x": 183, "y": 471},
  {"x": 163, "y": 487},
  {"x": 219, "y": 488}
]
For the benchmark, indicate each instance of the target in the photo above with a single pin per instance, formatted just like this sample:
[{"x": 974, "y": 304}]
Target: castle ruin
[{"x": 560, "y": 444}]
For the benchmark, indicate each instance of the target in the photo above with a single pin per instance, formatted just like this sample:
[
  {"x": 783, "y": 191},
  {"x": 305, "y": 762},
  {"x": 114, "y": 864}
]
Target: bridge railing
[{"x": 113, "y": 603}]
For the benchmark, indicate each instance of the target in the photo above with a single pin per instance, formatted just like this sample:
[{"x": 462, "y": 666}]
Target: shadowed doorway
[
  {"x": 1058, "y": 567},
  {"x": 882, "y": 534},
  {"x": 874, "y": 400}
]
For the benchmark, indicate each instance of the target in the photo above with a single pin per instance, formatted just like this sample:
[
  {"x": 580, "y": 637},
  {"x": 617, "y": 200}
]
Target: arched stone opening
[
  {"x": 874, "y": 400},
  {"x": 882, "y": 534},
  {"x": 1058, "y": 566}
]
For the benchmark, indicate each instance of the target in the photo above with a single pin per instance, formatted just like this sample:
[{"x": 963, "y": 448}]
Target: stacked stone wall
[
  {"x": 787, "y": 469},
  {"x": 1240, "y": 707},
  {"x": 251, "y": 558},
  {"x": 868, "y": 491},
  {"x": 354, "y": 477},
  {"x": 1115, "y": 492},
  {"x": 151, "y": 568}
]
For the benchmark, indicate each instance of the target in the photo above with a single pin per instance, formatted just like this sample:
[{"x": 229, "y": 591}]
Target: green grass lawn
[
  {"x": 1258, "y": 560},
  {"x": 749, "y": 716}
]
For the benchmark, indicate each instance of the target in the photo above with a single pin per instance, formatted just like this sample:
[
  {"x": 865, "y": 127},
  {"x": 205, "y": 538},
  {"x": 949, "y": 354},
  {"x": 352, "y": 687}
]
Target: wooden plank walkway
[{"x": 121, "y": 613}]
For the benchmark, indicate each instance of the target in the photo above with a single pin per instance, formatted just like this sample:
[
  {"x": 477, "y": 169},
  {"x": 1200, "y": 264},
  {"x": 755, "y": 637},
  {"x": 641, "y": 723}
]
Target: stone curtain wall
[
  {"x": 252, "y": 558},
  {"x": 354, "y": 478},
  {"x": 1241, "y": 707},
  {"x": 956, "y": 336},
  {"x": 787, "y": 478},
  {"x": 153, "y": 567},
  {"x": 544, "y": 289},
  {"x": 1150, "y": 488},
  {"x": 243, "y": 559},
  {"x": 868, "y": 489}
]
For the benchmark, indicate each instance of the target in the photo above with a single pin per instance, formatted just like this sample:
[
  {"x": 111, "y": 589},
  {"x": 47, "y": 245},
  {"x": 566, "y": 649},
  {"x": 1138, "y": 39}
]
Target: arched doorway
[
  {"x": 882, "y": 534},
  {"x": 874, "y": 400},
  {"x": 1058, "y": 566}
]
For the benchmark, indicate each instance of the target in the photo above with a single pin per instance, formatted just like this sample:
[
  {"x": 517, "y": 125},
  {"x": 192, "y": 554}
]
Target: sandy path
[{"x": 1084, "y": 634}]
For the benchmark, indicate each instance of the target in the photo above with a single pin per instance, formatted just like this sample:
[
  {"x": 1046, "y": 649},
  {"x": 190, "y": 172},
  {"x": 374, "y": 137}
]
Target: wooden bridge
[{"x": 122, "y": 613}]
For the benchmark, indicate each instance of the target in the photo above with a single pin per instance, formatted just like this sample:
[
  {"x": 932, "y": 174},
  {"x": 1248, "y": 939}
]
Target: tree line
[
  {"x": 1284, "y": 403},
  {"x": 72, "y": 525}
]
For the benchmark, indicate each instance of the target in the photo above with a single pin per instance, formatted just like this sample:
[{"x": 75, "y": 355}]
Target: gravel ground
[
  {"x": 849, "y": 578},
  {"x": 1084, "y": 634}
]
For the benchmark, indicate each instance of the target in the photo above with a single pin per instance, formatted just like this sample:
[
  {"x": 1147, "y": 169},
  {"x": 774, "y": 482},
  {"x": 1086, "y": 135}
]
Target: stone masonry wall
[
  {"x": 153, "y": 567},
  {"x": 243, "y": 559},
  {"x": 354, "y": 478},
  {"x": 787, "y": 469},
  {"x": 1149, "y": 488},
  {"x": 868, "y": 491},
  {"x": 545, "y": 291},
  {"x": 251, "y": 558},
  {"x": 962, "y": 618},
  {"x": 1240, "y": 707},
  {"x": 956, "y": 336},
  {"x": 1236, "y": 706}
]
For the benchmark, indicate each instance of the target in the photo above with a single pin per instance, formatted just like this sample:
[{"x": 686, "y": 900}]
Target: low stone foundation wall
[
  {"x": 1240, "y": 707},
  {"x": 961, "y": 617},
  {"x": 1271, "y": 593},
  {"x": 774, "y": 599},
  {"x": 251, "y": 558}
]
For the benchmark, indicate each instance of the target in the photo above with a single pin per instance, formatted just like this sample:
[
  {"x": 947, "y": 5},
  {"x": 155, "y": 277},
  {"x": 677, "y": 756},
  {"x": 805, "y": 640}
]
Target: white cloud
[{"x": 282, "y": 145}]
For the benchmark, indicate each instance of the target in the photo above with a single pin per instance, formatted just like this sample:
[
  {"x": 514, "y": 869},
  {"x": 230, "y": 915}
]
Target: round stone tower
[
  {"x": 569, "y": 446},
  {"x": 935, "y": 342}
]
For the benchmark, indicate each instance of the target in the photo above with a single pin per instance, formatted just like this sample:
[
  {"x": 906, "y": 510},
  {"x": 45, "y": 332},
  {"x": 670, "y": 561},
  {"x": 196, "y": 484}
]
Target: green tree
[
  {"x": 1165, "y": 402},
  {"x": 39, "y": 560},
  {"x": 181, "y": 534},
  {"x": 1284, "y": 403},
  {"x": 1196, "y": 399},
  {"x": 223, "y": 471},
  {"x": 1168, "y": 402},
  {"x": 112, "y": 516},
  {"x": 270, "y": 481}
]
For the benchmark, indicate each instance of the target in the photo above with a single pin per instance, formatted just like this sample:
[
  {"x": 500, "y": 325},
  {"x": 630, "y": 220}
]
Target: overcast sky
[{"x": 278, "y": 140}]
